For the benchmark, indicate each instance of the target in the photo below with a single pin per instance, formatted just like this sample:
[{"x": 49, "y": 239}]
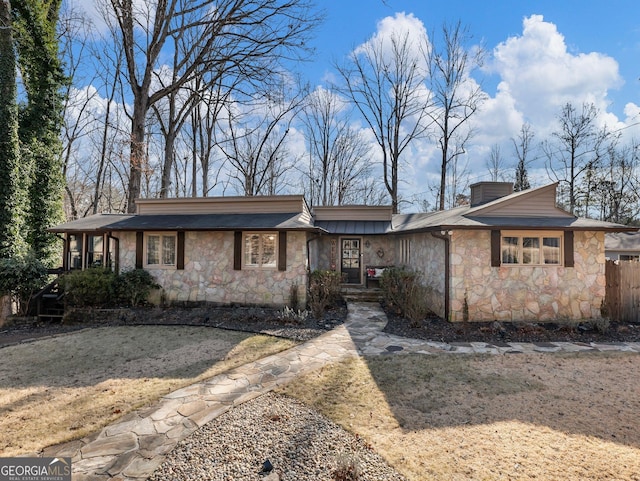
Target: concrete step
[{"x": 354, "y": 294}]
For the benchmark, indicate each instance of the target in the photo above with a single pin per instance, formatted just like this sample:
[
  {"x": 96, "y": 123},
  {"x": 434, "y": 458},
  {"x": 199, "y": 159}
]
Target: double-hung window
[
  {"x": 260, "y": 249},
  {"x": 531, "y": 248},
  {"x": 160, "y": 249}
]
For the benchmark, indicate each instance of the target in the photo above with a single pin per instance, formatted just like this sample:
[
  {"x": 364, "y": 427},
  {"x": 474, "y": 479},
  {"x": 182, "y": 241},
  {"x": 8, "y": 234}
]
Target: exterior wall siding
[
  {"x": 523, "y": 293},
  {"x": 208, "y": 274}
]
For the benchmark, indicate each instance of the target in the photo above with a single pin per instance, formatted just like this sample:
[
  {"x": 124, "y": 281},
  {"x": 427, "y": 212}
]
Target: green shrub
[
  {"x": 133, "y": 287},
  {"x": 21, "y": 278},
  {"x": 94, "y": 287},
  {"x": 324, "y": 291},
  {"x": 403, "y": 291},
  {"x": 99, "y": 287}
]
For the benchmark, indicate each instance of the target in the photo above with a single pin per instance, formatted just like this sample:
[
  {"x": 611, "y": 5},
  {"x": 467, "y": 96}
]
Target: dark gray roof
[
  {"x": 458, "y": 218},
  {"x": 91, "y": 223},
  {"x": 191, "y": 222},
  {"x": 354, "y": 227}
]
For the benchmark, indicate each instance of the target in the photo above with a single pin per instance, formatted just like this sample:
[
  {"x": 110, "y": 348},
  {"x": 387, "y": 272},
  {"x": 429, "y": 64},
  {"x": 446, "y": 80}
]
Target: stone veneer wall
[
  {"x": 427, "y": 256},
  {"x": 209, "y": 276},
  {"x": 536, "y": 293}
]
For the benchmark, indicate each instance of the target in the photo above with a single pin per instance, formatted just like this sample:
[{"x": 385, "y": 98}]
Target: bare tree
[
  {"x": 522, "y": 146},
  {"x": 247, "y": 37},
  {"x": 255, "y": 143},
  {"x": 338, "y": 153},
  {"x": 386, "y": 84},
  {"x": 615, "y": 187},
  {"x": 455, "y": 95},
  {"x": 576, "y": 149},
  {"x": 212, "y": 99},
  {"x": 495, "y": 163}
]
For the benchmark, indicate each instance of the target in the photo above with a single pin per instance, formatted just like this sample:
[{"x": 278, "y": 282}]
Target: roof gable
[{"x": 539, "y": 202}]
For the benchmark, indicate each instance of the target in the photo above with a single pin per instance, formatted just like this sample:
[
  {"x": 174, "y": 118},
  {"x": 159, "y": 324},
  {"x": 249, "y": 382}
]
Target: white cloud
[
  {"x": 541, "y": 75},
  {"x": 395, "y": 28}
]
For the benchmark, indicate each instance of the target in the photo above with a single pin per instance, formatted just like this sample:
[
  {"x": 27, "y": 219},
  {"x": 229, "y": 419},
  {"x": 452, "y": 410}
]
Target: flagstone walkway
[{"x": 133, "y": 447}]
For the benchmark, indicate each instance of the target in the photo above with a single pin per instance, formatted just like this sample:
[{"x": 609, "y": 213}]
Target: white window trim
[
  {"x": 271, "y": 267},
  {"x": 520, "y": 234},
  {"x": 145, "y": 245}
]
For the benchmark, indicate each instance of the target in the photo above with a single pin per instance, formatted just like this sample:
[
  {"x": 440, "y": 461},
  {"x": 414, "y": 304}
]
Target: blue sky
[{"x": 608, "y": 27}]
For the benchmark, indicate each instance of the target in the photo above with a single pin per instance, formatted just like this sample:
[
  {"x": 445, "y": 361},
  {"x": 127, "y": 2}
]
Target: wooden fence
[{"x": 623, "y": 290}]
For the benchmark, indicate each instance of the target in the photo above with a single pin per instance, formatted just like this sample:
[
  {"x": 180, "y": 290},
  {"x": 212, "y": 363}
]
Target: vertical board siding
[{"x": 623, "y": 290}]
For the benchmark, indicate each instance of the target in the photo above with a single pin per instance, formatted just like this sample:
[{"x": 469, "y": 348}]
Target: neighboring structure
[
  {"x": 622, "y": 246},
  {"x": 507, "y": 256}
]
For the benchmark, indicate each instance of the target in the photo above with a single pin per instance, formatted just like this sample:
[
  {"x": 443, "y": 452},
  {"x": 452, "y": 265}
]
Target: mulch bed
[
  {"x": 270, "y": 321},
  {"x": 436, "y": 329},
  {"x": 246, "y": 319}
]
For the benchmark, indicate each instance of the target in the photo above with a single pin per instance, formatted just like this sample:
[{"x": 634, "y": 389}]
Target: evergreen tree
[
  {"x": 41, "y": 119},
  {"x": 522, "y": 179},
  {"x": 12, "y": 197},
  {"x": 522, "y": 146}
]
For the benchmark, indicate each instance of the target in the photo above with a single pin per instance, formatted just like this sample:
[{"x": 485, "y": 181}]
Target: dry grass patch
[
  {"x": 62, "y": 388},
  {"x": 547, "y": 416}
]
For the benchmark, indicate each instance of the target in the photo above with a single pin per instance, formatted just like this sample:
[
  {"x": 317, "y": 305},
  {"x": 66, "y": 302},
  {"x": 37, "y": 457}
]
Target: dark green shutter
[
  {"x": 495, "y": 248},
  {"x": 237, "y": 250},
  {"x": 282, "y": 251},
  {"x": 180, "y": 251},
  {"x": 139, "y": 249},
  {"x": 568, "y": 249}
]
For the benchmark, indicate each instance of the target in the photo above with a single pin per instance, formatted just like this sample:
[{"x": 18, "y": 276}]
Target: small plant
[
  {"x": 347, "y": 469},
  {"x": 294, "y": 298},
  {"x": 296, "y": 316},
  {"x": 324, "y": 291},
  {"x": 134, "y": 286},
  {"x": 602, "y": 325},
  {"x": 465, "y": 308}
]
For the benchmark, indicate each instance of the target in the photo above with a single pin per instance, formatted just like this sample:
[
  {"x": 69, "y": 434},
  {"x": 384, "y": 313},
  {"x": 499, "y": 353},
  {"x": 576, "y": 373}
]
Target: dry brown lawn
[
  {"x": 65, "y": 387},
  {"x": 511, "y": 417}
]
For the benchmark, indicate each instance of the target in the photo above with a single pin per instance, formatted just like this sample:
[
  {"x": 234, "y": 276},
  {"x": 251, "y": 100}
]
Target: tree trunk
[{"x": 138, "y": 152}]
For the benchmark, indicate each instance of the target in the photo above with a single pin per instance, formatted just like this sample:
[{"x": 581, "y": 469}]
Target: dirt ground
[
  {"x": 66, "y": 386},
  {"x": 516, "y": 417}
]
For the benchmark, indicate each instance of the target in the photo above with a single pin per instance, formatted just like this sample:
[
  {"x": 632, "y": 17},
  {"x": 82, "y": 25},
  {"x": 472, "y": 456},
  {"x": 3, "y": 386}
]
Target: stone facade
[
  {"x": 427, "y": 255},
  {"x": 208, "y": 274},
  {"x": 529, "y": 293}
]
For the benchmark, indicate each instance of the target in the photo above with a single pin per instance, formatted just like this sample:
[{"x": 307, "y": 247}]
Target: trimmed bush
[
  {"x": 133, "y": 287},
  {"x": 404, "y": 292},
  {"x": 94, "y": 287},
  {"x": 324, "y": 291},
  {"x": 101, "y": 287}
]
